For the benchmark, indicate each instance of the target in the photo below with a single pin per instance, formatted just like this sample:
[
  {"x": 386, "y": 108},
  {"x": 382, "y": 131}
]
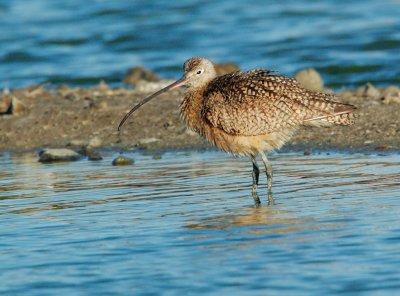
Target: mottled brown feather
[{"x": 260, "y": 102}]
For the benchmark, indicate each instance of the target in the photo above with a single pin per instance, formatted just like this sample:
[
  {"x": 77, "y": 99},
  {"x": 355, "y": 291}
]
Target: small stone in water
[
  {"x": 56, "y": 155},
  {"x": 93, "y": 154},
  {"x": 157, "y": 156},
  {"x": 122, "y": 160}
]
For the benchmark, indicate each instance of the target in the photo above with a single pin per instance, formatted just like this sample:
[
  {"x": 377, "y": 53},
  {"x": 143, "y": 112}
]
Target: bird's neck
[{"x": 191, "y": 109}]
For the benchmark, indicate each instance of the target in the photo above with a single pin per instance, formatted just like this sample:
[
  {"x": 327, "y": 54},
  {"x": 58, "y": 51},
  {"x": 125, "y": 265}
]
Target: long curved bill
[{"x": 176, "y": 84}]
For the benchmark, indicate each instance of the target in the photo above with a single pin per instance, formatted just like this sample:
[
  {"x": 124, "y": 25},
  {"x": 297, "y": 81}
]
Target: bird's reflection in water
[{"x": 272, "y": 218}]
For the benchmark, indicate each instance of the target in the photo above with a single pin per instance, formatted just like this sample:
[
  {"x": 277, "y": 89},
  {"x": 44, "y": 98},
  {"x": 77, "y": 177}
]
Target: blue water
[
  {"x": 81, "y": 42},
  {"x": 185, "y": 225}
]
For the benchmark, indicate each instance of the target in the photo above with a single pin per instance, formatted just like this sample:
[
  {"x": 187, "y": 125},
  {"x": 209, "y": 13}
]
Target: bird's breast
[{"x": 191, "y": 107}]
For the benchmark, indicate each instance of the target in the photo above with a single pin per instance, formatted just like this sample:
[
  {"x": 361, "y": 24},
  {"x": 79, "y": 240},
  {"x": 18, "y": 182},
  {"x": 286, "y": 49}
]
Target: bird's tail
[{"x": 338, "y": 114}]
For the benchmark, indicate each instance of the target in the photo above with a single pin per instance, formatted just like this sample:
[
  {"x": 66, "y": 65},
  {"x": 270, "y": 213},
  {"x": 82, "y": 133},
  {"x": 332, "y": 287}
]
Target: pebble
[
  {"x": 310, "y": 79},
  {"x": 93, "y": 155},
  {"x": 372, "y": 91},
  {"x": 88, "y": 102},
  {"x": 9, "y": 104},
  {"x": 137, "y": 74},
  {"x": 148, "y": 141},
  {"x": 35, "y": 90},
  {"x": 149, "y": 87},
  {"x": 5, "y": 104},
  {"x": 369, "y": 91},
  {"x": 76, "y": 143},
  {"x": 190, "y": 132},
  {"x": 392, "y": 89},
  {"x": 49, "y": 155},
  {"x": 17, "y": 106},
  {"x": 391, "y": 99},
  {"x": 103, "y": 105},
  {"x": 122, "y": 160},
  {"x": 103, "y": 86},
  {"x": 391, "y": 95},
  {"x": 95, "y": 142},
  {"x": 86, "y": 149},
  {"x": 226, "y": 68}
]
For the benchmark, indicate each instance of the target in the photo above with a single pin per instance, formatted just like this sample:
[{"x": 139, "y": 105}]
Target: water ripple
[{"x": 186, "y": 223}]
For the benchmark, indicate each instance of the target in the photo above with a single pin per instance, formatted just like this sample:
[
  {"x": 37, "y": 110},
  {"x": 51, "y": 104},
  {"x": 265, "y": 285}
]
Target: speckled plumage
[{"x": 257, "y": 110}]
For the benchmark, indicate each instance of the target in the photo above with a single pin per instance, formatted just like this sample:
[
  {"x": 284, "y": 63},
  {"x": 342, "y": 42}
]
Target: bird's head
[{"x": 198, "y": 72}]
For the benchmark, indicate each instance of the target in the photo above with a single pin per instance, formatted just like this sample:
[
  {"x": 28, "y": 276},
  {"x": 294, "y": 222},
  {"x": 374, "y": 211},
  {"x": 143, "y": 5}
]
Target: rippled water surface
[
  {"x": 80, "y": 42},
  {"x": 185, "y": 224}
]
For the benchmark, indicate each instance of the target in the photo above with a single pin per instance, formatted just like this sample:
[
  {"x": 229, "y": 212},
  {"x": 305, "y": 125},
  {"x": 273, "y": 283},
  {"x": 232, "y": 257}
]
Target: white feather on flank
[{"x": 328, "y": 115}]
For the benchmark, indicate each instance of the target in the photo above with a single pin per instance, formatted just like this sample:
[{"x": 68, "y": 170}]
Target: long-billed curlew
[{"x": 247, "y": 113}]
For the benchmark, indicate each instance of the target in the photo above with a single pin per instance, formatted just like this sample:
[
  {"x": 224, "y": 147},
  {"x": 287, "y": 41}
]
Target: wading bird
[{"x": 248, "y": 113}]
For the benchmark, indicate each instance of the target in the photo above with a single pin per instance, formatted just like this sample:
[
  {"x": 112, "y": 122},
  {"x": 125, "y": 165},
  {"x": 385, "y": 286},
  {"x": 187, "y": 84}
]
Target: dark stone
[
  {"x": 93, "y": 154},
  {"x": 122, "y": 160}
]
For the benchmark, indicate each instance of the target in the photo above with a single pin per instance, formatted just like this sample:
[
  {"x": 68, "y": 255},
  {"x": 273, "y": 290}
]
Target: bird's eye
[{"x": 199, "y": 72}]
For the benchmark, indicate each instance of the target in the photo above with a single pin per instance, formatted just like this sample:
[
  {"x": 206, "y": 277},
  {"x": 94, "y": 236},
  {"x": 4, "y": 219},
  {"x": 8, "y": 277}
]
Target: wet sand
[{"x": 59, "y": 117}]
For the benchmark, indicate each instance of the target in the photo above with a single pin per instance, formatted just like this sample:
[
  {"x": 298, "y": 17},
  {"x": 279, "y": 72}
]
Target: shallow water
[
  {"x": 185, "y": 224},
  {"x": 350, "y": 42}
]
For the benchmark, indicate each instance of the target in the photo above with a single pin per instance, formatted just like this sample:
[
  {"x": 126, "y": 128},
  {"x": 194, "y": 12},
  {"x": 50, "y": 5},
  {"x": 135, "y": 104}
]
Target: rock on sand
[
  {"x": 5, "y": 104},
  {"x": 310, "y": 79},
  {"x": 17, "y": 107},
  {"x": 226, "y": 68},
  {"x": 136, "y": 74}
]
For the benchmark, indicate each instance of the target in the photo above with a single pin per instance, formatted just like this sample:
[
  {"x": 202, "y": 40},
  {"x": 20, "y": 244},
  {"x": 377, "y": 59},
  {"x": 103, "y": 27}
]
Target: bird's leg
[
  {"x": 268, "y": 170},
  {"x": 255, "y": 174}
]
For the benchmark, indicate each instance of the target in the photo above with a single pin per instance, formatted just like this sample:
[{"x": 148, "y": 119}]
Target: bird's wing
[{"x": 260, "y": 102}]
